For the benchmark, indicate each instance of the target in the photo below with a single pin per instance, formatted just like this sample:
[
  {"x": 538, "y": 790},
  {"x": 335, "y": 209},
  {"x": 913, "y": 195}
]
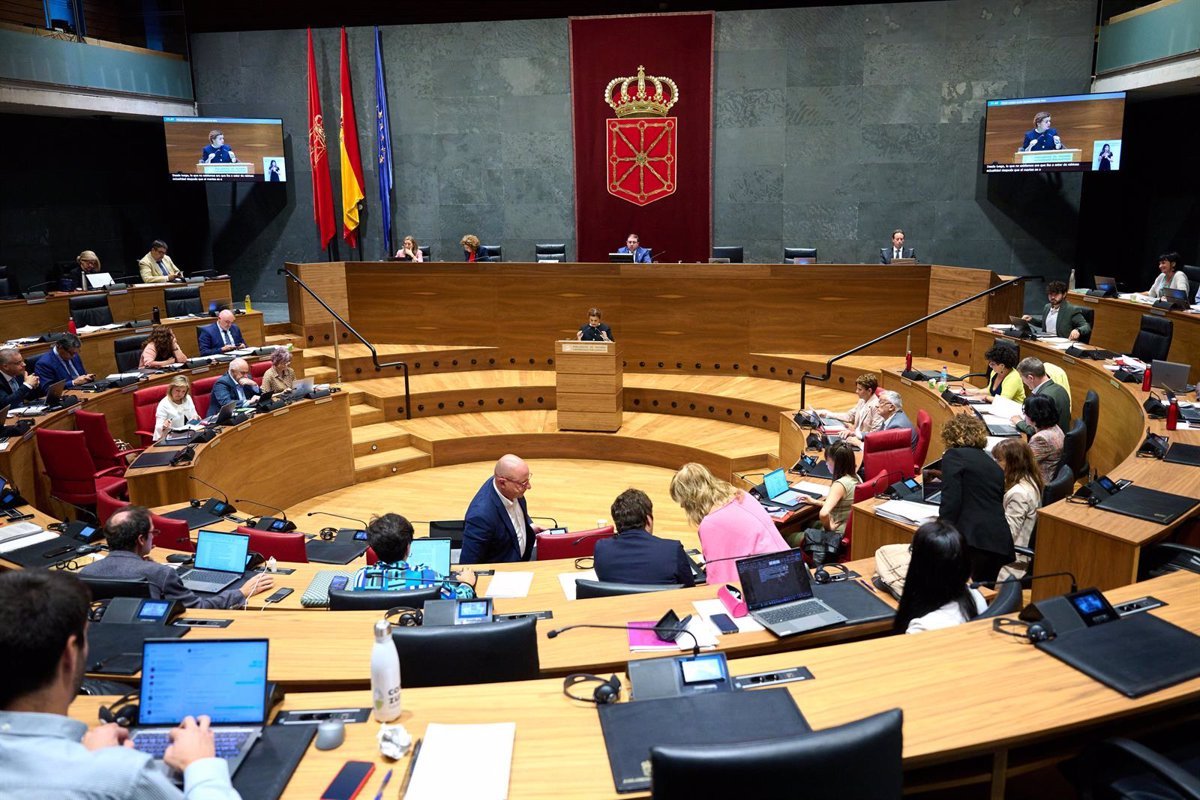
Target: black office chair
[
  {"x": 456, "y": 655},
  {"x": 91, "y": 309},
  {"x": 128, "y": 352},
  {"x": 826, "y": 763},
  {"x": 549, "y": 252},
  {"x": 1090, "y": 415},
  {"x": 1060, "y": 486},
  {"x": 1193, "y": 276},
  {"x": 182, "y": 300},
  {"x": 492, "y": 252},
  {"x": 799, "y": 252},
  {"x": 1089, "y": 314},
  {"x": 1122, "y": 769},
  {"x": 1153, "y": 341},
  {"x": 1162, "y": 558},
  {"x": 108, "y": 588},
  {"x": 734, "y": 254},
  {"x": 451, "y": 529},
  {"x": 1074, "y": 452},
  {"x": 426, "y": 253},
  {"x": 585, "y": 589},
  {"x": 5, "y": 287},
  {"x": 1006, "y": 601},
  {"x": 31, "y": 362},
  {"x": 379, "y": 600}
]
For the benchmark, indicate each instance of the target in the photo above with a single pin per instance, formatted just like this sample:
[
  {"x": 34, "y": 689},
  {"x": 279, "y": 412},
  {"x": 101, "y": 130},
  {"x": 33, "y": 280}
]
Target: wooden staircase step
[
  {"x": 363, "y": 414},
  {"x": 391, "y": 462},
  {"x": 379, "y": 437}
]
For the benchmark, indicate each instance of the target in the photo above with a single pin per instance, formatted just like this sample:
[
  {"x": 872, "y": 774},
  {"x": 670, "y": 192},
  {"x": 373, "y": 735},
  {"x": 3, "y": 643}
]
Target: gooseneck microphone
[
  {"x": 656, "y": 628},
  {"x": 339, "y": 516},
  {"x": 224, "y": 496},
  {"x": 281, "y": 523},
  {"x": 553, "y": 521},
  {"x": 993, "y": 584}
]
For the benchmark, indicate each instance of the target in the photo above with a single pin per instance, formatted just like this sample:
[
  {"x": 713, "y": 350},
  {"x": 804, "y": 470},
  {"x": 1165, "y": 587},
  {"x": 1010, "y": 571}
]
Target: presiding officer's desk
[
  {"x": 1118, "y": 321},
  {"x": 958, "y": 689}
]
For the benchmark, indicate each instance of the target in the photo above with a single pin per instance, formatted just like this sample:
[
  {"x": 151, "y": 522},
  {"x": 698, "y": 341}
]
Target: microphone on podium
[
  {"x": 279, "y": 524},
  {"x": 667, "y": 633},
  {"x": 339, "y": 516},
  {"x": 225, "y": 511}
]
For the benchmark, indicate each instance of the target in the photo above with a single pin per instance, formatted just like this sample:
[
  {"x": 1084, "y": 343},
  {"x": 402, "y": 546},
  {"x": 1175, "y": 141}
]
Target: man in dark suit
[
  {"x": 497, "y": 527},
  {"x": 63, "y": 363},
  {"x": 222, "y": 336},
  {"x": 235, "y": 385},
  {"x": 891, "y": 408},
  {"x": 1033, "y": 375},
  {"x": 897, "y": 250},
  {"x": 1059, "y": 317},
  {"x": 130, "y": 535},
  {"x": 634, "y": 555},
  {"x": 16, "y": 385}
]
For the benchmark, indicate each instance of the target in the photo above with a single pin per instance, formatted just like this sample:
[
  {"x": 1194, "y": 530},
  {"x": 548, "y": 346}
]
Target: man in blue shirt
[
  {"x": 641, "y": 255},
  {"x": 63, "y": 363},
  {"x": 1042, "y": 137},
  {"x": 45, "y": 753}
]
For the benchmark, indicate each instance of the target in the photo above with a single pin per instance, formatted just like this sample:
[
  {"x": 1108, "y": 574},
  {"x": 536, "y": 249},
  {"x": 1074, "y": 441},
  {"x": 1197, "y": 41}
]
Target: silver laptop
[
  {"x": 302, "y": 387},
  {"x": 220, "y": 560},
  {"x": 779, "y": 595},
  {"x": 225, "y": 679},
  {"x": 779, "y": 492},
  {"x": 432, "y": 553},
  {"x": 1171, "y": 375}
]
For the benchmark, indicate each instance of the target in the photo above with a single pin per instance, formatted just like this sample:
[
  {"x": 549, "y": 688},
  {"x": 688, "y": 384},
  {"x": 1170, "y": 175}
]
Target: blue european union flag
[{"x": 383, "y": 138}]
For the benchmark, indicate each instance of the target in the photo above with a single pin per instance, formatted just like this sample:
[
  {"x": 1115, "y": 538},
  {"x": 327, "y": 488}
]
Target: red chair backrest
[
  {"x": 371, "y": 557},
  {"x": 107, "y": 505},
  {"x": 570, "y": 545},
  {"x": 889, "y": 451},
  {"x": 924, "y": 431},
  {"x": 145, "y": 404},
  {"x": 68, "y": 464},
  {"x": 258, "y": 369},
  {"x": 863, "y": 491},
  {"x": 99, "y": 441},
  {"x": 173, "y": 534},
  {"x": 283, "y": 546},
  {"x": 201, "y": 389}
]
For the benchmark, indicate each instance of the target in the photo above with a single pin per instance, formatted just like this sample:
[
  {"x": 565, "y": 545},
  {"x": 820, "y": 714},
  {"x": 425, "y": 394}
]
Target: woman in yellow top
[
  {"x": 280, "y": 377},
  {"x": 1003, "y": 379}
]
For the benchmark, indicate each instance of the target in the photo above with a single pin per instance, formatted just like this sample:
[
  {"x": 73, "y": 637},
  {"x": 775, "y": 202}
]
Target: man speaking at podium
[
  {"x": 497, "y": 527},
  {"x": 897, "y": 250}
]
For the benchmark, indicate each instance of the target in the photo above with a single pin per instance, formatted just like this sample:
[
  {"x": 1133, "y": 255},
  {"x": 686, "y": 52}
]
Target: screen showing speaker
[
  {"x": 1061, "y": 133},
  {"x": 225, "y": 149}
]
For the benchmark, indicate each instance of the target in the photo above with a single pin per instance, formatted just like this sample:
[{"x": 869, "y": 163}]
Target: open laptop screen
[
  {"x": 774, "y": 578},
  {"x": 222, "y": 551},
  {"x": 433, "y": 553},
  {"x": 775, "y": 483},
  {"x": 223, "y": 678}
]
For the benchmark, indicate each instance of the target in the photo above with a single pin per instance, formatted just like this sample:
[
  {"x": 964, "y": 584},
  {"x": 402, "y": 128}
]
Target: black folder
[
  {"x": 1184, "y": 454},
  {"x": 1135, "y": 655},
  {"x": 334, "y": 552},
  {"x": 270, "y": 763},
  {"x": 631, "y": 729},
  {"x": 32, "y": 556},
  {"x": 154, "y": 459},
  {"x": 109, "y": 639},
  {"x": 851, "y": 600},
  {"x": 194, "y": 517},
  {"x": 1148, "y": 504}
]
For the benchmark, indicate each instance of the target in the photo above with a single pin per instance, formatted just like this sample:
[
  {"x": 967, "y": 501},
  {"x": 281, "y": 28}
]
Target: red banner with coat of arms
[{"x": 641, "y": 90}]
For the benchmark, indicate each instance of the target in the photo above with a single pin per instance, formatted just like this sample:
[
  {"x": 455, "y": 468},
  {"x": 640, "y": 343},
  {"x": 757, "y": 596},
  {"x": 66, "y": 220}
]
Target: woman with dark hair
[
  {"x": 1170, "y": 276},
  {"x": 1106, "y": 158},
  {"x": 161, "y": 349},
  {"x": 1022, "y": 497},
  {"x": 1003, "y": 378},
  {"x": 973, "y": 496},
  {"x": 936, "y": 594},
  {"x": 824, "y": 543},
  {"x": 273, "y": 172},
  {"x": 1047, "y": 441}
]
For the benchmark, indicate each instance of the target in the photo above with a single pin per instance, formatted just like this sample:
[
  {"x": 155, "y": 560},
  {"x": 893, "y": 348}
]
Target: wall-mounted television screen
[
  {"x": 224, "y": 149},
  {"x": 1066, "y": 133}
]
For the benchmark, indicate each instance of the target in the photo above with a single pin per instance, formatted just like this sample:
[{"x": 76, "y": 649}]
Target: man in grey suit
[
  {"x": 891, "y": 408},
  {"x": 1033, "y": 375},
  {"x": 130, "y": 534},
  {"x": 1060, "y": 318},
  {"x": 897, "y": 250}
]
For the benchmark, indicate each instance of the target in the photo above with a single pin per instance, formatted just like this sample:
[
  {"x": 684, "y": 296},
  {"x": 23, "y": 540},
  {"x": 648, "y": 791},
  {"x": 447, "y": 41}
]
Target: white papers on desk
[
  {"x": 25, "y": 541},
  {"x": 567, "y": 580},
  {"x": 808, "y": 487},
  {"x": 93, "y": 328},
  {"x": 705, "y": 632},
  {"x": 707, "y": 608},
  {"x": 1053, "y": 340},
  {"x": 907, "y": 511},
  {"x": 242, "y": 352},
  {"x": 1000, "y": 326},
  {"x": 476, "y": 760},
  {"x": 120, "y": 376},
  {"x": 1001, "y": 407},
  {"x": 510, "y": 584},
  {"x": 28, "y": 411},
  {"x": 992, "y": 441},
  {"x": 21, "y": 340}
]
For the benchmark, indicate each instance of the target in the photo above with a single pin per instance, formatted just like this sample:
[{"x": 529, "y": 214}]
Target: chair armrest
[
  {"x": 147, "y": 438},
  {"x": 134, "y": 452},
  {"x": 114, "y": 472},
  {"x": 1167, "y": 770}
]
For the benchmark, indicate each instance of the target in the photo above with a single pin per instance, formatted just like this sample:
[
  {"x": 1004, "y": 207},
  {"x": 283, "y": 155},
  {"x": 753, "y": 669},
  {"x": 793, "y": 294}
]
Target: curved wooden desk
[{"x": 1118, "y": 322}]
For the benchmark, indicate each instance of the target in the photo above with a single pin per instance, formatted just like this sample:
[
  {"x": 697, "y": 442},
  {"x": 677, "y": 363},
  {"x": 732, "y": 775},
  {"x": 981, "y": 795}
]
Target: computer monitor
[{"x": 620, "y": 258}]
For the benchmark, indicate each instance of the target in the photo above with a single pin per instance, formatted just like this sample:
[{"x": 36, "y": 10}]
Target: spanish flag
[{"x": 352, "y": 171}]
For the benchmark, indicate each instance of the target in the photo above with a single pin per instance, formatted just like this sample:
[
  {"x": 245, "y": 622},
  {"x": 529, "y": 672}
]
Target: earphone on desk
[
  {"x": 608, "y": 690},
  {"x": 327, "y": 534},
  {"x": 823, "y": 576},
  {"x": 405, "y": 617},
  {"x": 126, "y": 716},
  {"x": 1032, "y": 632}
]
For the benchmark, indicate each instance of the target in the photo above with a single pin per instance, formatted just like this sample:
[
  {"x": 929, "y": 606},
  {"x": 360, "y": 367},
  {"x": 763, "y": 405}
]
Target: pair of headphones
[
  {"x": 405, "y": 617},
  {"x": 126, "y": 715},
  {"x": 1032, "y": 632},
  {"x": 328, "y": 534},
  {"x": 608, "y": 690},
  {"x": 823, "y": 576}
]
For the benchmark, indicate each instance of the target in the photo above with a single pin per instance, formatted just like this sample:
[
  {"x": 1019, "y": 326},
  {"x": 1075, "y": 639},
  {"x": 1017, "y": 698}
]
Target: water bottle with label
[
  {"x": 385, "y": 674},
  {"x": 249, "y": 307}
]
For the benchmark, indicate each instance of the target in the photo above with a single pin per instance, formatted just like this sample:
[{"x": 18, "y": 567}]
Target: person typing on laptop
[
  {"x": 390, "y": 537},
  {"x": 635, "y": 554},
  {"x": 824, "y": 542},
  {"x": 130, "y": 534},
  {"x": 44, "y": 753}
]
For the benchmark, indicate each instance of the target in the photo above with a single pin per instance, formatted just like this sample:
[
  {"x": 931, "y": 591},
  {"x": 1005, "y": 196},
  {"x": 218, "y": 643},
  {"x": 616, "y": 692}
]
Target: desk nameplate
[{"x": 585, "y": 347}]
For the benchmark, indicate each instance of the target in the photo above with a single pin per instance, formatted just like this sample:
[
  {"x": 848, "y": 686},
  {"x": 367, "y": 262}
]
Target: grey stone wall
[{"x": 832, "y": 126}]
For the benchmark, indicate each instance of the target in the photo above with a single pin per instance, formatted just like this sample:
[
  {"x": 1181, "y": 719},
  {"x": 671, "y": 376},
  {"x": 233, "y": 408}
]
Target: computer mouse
[
  {"x": 178, "y": 558},
  {"x": 331, "y": 734}
]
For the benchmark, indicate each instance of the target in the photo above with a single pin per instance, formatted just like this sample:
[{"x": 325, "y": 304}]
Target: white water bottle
[{"x": 385, "y": 674}]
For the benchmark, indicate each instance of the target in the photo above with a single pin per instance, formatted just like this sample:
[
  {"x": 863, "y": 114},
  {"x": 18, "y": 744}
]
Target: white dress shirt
[{"x": 516, "y": 516}]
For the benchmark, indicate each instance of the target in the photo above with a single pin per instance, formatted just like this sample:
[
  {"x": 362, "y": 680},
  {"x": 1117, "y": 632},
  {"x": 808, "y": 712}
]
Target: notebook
[
  {"x": 1180, "y": 454},
  {"x": 220, "y": 560},
  {"x": 225, "y": 679},
  {"x": 779, "y": 595}
]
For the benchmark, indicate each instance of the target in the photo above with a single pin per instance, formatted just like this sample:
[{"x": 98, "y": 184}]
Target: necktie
[
  {"x": 897, "y": 253},
  {"x": 71, "y": 368},
  {"x": 227, "y": 336},
  {"x": 162, "y": 268}
]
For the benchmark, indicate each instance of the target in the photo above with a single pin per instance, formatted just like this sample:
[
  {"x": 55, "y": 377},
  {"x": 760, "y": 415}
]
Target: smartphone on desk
[{"x": 349, "y": 781}]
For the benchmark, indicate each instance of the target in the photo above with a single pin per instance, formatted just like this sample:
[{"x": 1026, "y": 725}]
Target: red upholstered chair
[
  {"x": 924, "y": 431},
  {"x": 145, "y": 404},
  {"x": 891, "y": 451},
  {"x": 201, "y": 389},
  {"x": 371, "y": 557},
  {"x": 72, "y": 473},
  {"x": 173, "y": 534},
  {"x": 258, "y": 369},
  {"x": 863, "y": 491},
  {"x": 283, "y": 546},
  {"x": 570, "y": 545},
  {"x": 100, "y": 441},
  {"x": 107, "y": 505}
]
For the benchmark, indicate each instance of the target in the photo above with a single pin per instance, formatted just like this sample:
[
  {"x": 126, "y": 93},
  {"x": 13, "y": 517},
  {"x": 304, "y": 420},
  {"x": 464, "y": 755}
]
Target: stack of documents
[
  {"x": 907, "y": 512},
  {"x": 93, "y": 328},
  {"x": 567, "y": 580},
  {"x": 475, "y": 760},
  {"x": 510, "y": 584}
]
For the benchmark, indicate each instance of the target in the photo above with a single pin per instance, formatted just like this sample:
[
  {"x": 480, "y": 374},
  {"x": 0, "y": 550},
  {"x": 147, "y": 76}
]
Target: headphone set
[
  {"x": 608, "y": 690},
  {"x": 328, "y": 534},
  {"x": 823, "y": 576},
  {"x": 124, "y": 715},
  {"x": 1032, "y": 632},
  {"x": 404, "y": 617}
]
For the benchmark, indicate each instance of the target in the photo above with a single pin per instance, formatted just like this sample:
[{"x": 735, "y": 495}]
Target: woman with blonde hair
[
  {"x": 161, "y": 349},
  {"x": 89, "y": 264},
  {"x": 176, "y": 409},
  {"x": 470, "y": 245},
  {"x": 1023, "y": 487},
  {"x": 280, "y": 377},
  {"x": 731, "y": 524}
]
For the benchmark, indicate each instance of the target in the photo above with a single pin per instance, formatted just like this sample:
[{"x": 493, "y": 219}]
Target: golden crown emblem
[{"x": 641, "y": 103}]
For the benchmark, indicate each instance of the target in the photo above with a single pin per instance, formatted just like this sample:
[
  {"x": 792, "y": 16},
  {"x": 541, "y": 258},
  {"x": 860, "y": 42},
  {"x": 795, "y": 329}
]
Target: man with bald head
[
  {"x": 498, "y": 527},
  {"x": 236, "y": 385},
  {"x": 222, "y": 336}
]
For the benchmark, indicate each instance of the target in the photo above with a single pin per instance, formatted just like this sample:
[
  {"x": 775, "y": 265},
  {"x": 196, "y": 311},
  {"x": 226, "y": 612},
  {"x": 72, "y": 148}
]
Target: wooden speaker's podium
[{"x": 589, "y": 385}]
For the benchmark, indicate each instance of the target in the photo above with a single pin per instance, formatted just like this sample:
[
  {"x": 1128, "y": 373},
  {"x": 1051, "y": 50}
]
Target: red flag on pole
[
  {"x": 352, "y": 171},
  {"x": 317, "y": 158}
]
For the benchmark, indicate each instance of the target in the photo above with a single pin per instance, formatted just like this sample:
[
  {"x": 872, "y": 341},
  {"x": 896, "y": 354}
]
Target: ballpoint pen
[
  {"x": 411, "y": 763},
  {"x": 382, "y": 786},
  {"x": 867, "y": 586}
]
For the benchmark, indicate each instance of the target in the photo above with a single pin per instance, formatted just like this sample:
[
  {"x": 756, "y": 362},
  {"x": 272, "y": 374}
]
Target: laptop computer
[
  {"x": 778, "y": 492},
  {"x": 1105, "y": 285},
  {"x": 996, "y": 428},
  {"x": 223, "y": 678},
  {"x": 1025, "y": 328},
  {"x": 220, "y": 560},
  {"x": 931, "y": 484},
  {"x": 433, "y": 553},
  {"x": 1148, "y": 504},
  {"x": 779, "y": 594},
  {"x": 1171, "y": 375},
  {"x": 302, "y": 387},
  {"x": 620, "y": 258},
  {"x": 1173, "y": 299}
]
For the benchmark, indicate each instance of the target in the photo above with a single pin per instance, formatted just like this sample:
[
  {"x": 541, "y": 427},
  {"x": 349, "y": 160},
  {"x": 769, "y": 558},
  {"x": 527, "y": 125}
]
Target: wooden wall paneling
[{"x": 327, "y": 279}]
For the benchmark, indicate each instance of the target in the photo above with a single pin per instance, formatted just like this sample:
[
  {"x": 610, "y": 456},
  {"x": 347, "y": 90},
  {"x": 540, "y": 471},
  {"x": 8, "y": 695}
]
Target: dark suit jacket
[
  {"x": 1069, "y": 318},
  {"x": 1062, "y": 401},
  {"x": 224, "y": 390},
  {"x": 23, "y": 393},
  {"x": 591, "y": 334},
  {"x": 210, "y": 338},
  {"x": 973, "y": 499},
  {"x": 885, "y": 253},
  {"x": 488, "y": 535},
  {"x": 901, "y": 420},
  {"x": 50, "y": 368},
  {"x": 164, "y": 582},
  {"x": 635, "y": 556}
]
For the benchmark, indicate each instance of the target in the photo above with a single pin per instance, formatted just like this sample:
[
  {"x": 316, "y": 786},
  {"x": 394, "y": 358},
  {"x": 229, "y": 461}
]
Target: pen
[
  {"x": 412, "y": 762},
  {"x": 382, "y": 786},
  {"x": 867, "y": 586}
]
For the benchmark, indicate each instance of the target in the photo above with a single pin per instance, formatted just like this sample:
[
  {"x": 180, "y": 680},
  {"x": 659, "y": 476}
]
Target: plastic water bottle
[
  {"x": 385, "y": 674},
  {"x": 249, "y": 307},
  {"x": 945, "y": 375},
  {"x": 156, "y": 316}
]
